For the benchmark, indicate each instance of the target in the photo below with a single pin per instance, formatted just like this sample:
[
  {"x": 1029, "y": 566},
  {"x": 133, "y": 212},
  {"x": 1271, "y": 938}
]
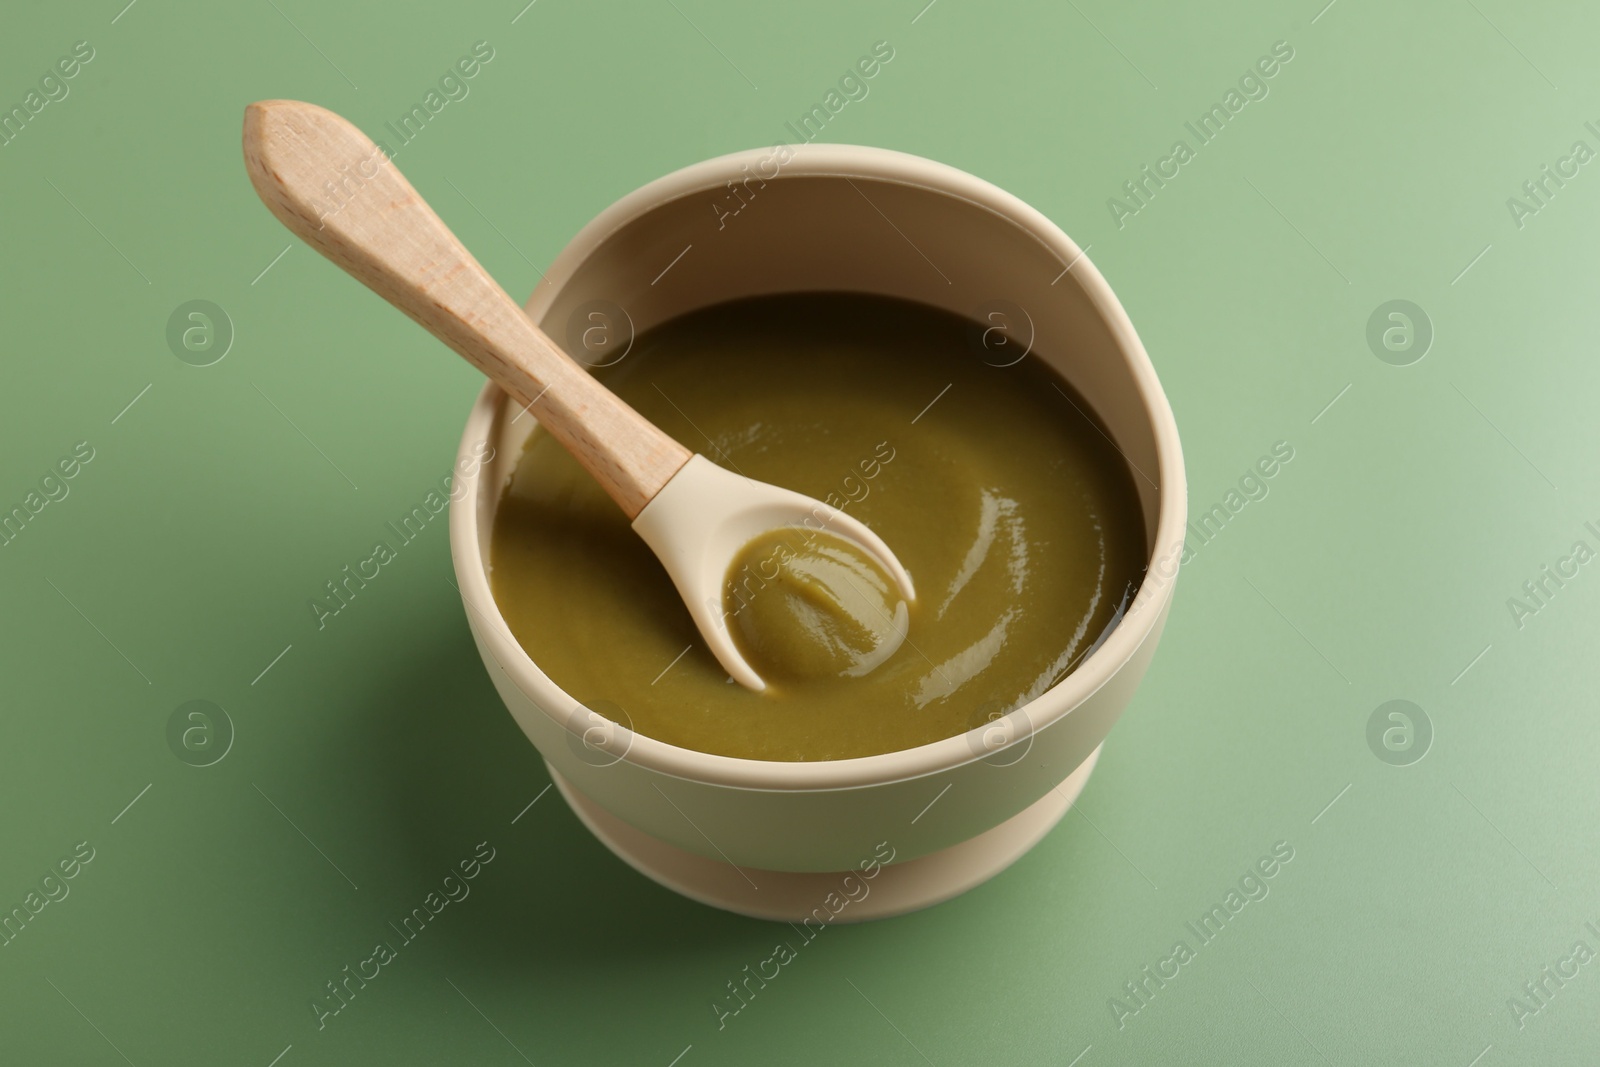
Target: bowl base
[{"x": 791, "y": 896}]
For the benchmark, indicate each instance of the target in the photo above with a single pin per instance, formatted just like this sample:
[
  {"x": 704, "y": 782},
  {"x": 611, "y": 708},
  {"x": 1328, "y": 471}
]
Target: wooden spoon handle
[{"x": 326, "y": 181}]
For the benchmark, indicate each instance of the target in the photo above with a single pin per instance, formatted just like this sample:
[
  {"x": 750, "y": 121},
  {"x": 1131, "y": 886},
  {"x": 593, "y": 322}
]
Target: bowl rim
[{"x": 1097, "y": 669}]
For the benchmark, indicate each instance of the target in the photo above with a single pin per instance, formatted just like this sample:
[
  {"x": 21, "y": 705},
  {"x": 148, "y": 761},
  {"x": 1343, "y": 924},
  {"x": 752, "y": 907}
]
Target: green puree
[
  {"x": 803, "y": 604},
  {"x": 1017, "y": 519}
]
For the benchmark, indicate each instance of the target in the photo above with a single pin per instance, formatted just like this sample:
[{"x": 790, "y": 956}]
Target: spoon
[{"x": 336, "y": 190}]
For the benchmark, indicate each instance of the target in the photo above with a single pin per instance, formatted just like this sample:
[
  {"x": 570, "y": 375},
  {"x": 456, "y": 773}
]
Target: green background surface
[{"x": 370, "y": 756}]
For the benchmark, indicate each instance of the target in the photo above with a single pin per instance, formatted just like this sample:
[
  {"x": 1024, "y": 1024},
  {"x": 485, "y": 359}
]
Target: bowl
[{"x": 883, "y": 834}]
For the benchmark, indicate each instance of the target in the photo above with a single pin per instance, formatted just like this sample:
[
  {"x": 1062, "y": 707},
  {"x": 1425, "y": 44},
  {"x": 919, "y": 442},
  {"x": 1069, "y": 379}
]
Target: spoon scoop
[{"x": 336, "y": 190}]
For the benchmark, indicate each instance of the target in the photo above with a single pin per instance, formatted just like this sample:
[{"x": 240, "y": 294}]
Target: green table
[{"x": 1443, "y": 850}]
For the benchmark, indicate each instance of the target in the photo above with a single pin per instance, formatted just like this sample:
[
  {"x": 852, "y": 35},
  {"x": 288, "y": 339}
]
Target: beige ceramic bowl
[{"x": 787, "y": 840}]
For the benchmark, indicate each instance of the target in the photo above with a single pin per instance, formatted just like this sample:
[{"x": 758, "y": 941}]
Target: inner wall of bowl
[{"x": 860, "y": 234}]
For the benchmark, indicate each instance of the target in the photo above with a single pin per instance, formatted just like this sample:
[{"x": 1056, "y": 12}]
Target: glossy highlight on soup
[{"x": 803, "y": 604}]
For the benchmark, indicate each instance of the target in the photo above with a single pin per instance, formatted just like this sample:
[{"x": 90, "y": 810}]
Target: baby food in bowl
[
  {"x": 996, "y": 486},
  {"x": 936, "y": 359}
]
